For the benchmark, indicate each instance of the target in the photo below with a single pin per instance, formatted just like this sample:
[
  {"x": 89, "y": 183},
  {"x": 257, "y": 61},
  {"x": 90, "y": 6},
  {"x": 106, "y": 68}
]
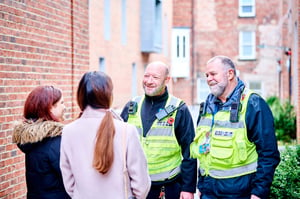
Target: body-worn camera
[
  {"x": 162, "y": 113},
  {"x": 132, "y": 109}
]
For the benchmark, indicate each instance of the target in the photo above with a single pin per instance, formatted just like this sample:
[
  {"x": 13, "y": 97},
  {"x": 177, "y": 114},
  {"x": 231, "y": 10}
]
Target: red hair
[{"x": 40, "y": 101}]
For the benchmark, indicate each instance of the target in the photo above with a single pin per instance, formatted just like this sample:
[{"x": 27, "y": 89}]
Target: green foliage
[
  {"x": 286, "y": 183},
  {"x": 284, "y": 119}
]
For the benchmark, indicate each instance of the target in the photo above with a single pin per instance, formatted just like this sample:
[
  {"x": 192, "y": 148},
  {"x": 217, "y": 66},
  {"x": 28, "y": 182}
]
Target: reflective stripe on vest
[
  {"x": 250, "y": 168},
  {"x": 225, "y": 124},
  {"x": 165, "y": 175},
  {"x": 160, "y": 137}
]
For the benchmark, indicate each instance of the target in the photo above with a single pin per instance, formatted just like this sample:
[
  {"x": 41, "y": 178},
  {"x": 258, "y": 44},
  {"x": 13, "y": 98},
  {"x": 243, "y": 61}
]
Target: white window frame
[
  {"x": 246, "y": 44},
  {"x": 248, "y": 3},
  {"x": 180, "y": 52}
]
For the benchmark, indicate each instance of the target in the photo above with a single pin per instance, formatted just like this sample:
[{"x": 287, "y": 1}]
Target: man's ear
[
  {"x": 167, "y": 79},
  {"x": 230, "y": 74}
]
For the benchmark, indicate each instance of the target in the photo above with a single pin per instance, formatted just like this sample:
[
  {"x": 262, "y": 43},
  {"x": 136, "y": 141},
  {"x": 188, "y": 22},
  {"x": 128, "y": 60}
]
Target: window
[
  {"x": 180, "y": 52},
  {"x": 102, "y": 64},
  {"x": 165, "y": 35},
  {"x": 255, "y": 86},
  {"x": 151, "y": 26},
  {"x": 246, "y": 8},
  {"x": 247, "y": 45},
  {"x": 124, "y": 23},
  {"x": 107, "y": 19}
]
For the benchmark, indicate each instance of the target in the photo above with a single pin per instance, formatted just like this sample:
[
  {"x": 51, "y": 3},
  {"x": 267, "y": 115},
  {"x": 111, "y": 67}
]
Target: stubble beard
[
  {"x": 154, "y": 91},
  {"x": 218, "y": 89}
]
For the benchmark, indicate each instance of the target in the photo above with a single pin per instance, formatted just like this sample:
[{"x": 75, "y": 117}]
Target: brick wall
[{"x": 41, "y": 43}]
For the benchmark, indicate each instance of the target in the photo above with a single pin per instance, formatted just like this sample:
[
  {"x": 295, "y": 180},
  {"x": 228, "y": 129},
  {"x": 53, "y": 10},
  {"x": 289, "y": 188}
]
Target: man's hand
[
  {"x": 254, "y": 197},
  {"x": 186, "y": 195}
]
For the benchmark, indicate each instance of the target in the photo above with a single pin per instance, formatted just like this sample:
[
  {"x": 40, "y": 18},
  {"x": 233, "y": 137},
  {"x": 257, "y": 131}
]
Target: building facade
[
  {"x": 261, "y": 38},
  {"x": 253, "y": 33}
]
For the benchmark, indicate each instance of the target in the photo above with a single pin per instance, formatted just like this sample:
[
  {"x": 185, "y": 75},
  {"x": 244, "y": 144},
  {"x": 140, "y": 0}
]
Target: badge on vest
[
  {"x": 204, "y": 148},
  {"x": 224, "y": 133},
  {"x": 169, "y": 122}
]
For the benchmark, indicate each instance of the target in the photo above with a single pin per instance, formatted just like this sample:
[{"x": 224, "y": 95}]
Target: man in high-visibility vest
[
  {"x": 235, "y": 138},
  {"x": 166, "y": 131}
]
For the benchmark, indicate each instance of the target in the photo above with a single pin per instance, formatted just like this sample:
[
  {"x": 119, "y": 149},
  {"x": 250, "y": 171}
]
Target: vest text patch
[{"x": 224, "y": 133}]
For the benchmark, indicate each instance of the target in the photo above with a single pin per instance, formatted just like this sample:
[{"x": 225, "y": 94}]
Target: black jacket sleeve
[
  {"x": 261, "y": 131},
  {"x": 124, "y": 113},
  {"x": 185, "y": 133}
]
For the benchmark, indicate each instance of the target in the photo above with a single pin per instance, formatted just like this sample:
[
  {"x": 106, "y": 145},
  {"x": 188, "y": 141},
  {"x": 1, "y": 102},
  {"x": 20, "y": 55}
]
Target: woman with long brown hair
[{"x": 101, "y": 156}]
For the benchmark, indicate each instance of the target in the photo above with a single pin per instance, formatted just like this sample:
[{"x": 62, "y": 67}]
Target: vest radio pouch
[
  {"x": 132, "y": 109},
  {"x": 202, "y": 111},
  {"x": 236, "y": 107},
  {"x": 234, "y": 112}
]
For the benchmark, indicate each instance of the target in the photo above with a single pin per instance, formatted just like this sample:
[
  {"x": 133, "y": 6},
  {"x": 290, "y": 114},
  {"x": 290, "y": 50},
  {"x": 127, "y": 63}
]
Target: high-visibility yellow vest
[
  {"x": 230, "y": 154},
  {"x": 160, "y": 145}
]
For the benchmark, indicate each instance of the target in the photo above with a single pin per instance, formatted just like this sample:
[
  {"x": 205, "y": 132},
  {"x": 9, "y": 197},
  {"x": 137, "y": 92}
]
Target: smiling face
[
  {"x": 155, "y": 79},
  {"x": 216, "y": 77},
  {"x": 220, "y": 78}
]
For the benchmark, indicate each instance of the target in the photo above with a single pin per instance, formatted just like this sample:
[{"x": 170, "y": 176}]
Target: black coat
[{"x": 40, "y": 142}]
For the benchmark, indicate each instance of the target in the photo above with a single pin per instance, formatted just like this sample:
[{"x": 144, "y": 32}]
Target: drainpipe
[
  {"x": 288, "y": 52},
  {"x": 193, "y": 52},
  {"x": 72, "y": 58}
]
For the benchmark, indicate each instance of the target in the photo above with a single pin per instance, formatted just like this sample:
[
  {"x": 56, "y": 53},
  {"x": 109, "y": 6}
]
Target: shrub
[
  {"x": 284, "y": 119},
  {"x": 286, "y": 183}
]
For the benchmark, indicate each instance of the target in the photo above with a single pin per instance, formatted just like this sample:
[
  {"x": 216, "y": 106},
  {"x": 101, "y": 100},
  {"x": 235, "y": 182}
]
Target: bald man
[{"x": 166, "y": 130}]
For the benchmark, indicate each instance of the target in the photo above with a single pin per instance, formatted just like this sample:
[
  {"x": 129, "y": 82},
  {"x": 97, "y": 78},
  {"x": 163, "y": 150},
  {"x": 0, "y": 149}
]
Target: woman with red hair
[{"x": 39, "y": 136}]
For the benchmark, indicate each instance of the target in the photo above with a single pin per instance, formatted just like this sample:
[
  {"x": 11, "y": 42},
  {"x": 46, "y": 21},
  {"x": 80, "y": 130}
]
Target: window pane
[
  {"x": 247, "y": 2},
  {"x": 183, "y": 45},
  {"x": 247, "y": 9},
  {"x": 247, "y": 37},
  {"x": 177, "y": 46},
  {"x": 247, "y": 50}
]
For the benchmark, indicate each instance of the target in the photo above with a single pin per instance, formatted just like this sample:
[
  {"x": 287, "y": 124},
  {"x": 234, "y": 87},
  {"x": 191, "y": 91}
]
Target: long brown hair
[{"x": 95, "y": 90}]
